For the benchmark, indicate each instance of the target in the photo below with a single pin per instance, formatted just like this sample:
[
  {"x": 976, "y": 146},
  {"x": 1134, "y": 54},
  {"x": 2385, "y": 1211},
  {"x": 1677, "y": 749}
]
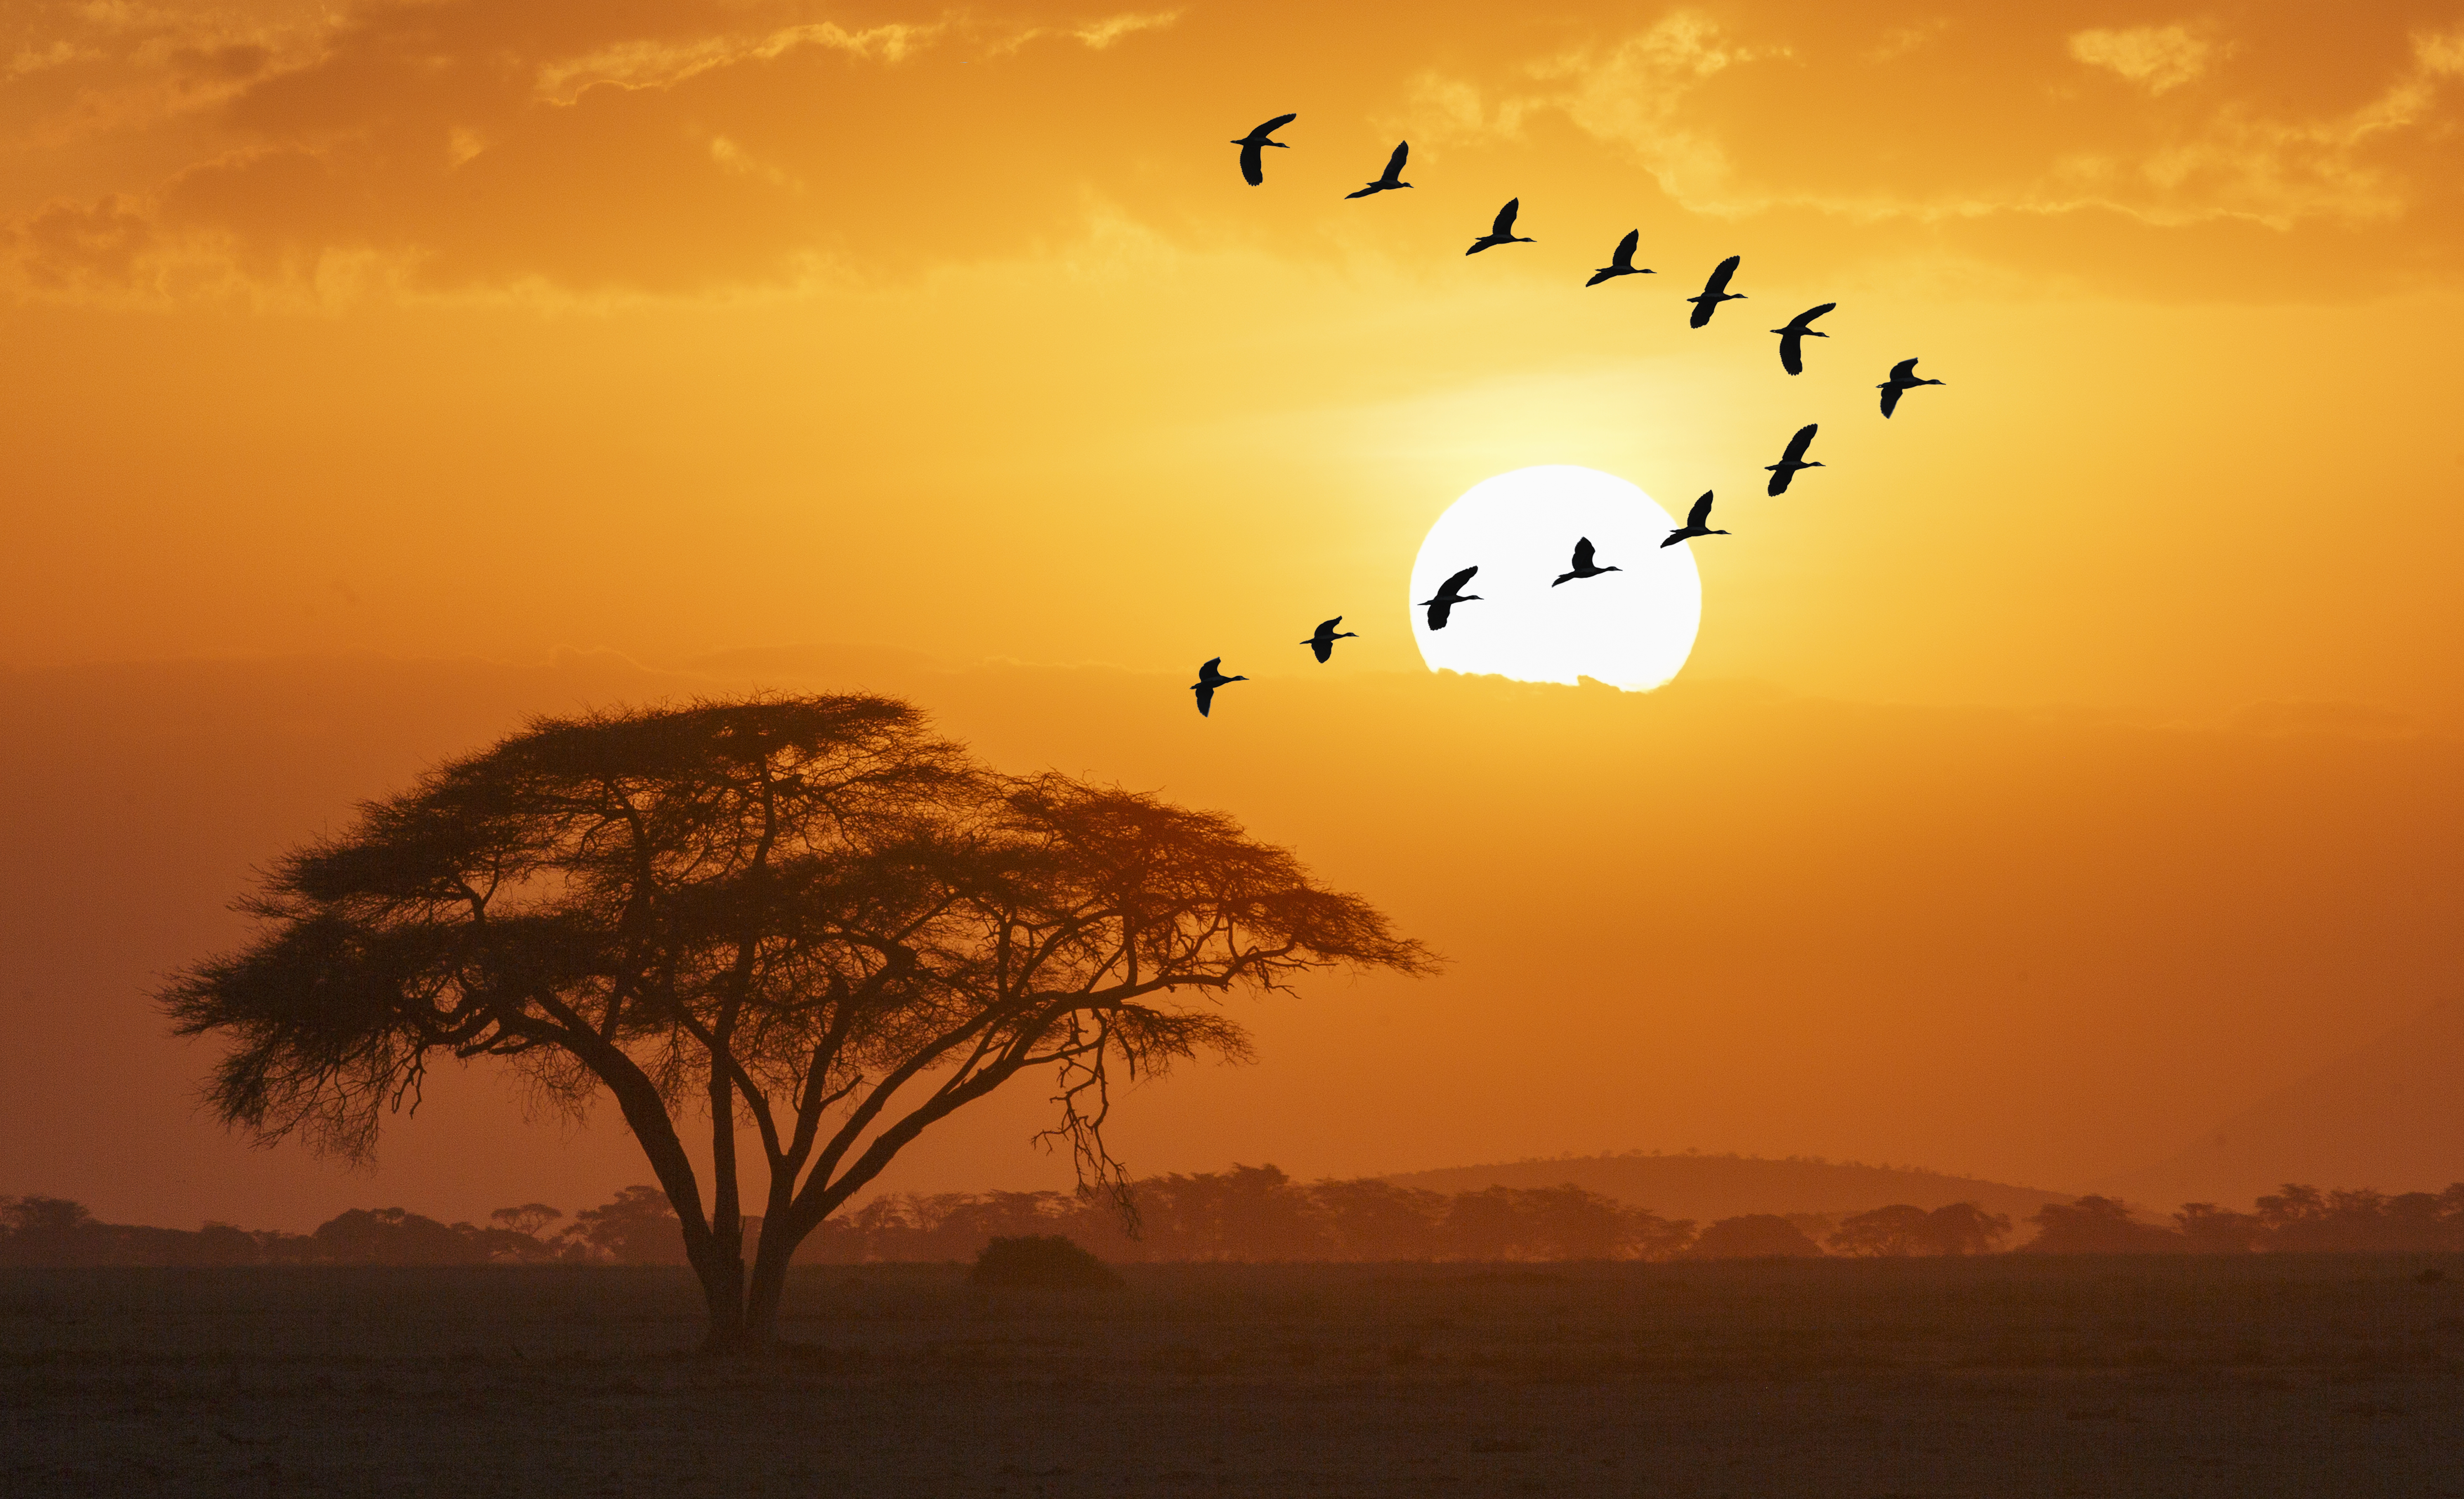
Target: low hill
[
  {"x": 2384, "y": 1115},
  {"x": 1708, "y": 1188}
]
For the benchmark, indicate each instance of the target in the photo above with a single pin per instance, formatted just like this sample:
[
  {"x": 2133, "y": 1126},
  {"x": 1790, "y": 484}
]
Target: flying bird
[
  {"x": 1715, "y": 291},
  {"x": 1502, "y": 233},
  {"x": 1323, "y": 642},
  {"x": 1904, "y": 379},
  {"x": 1583, "y": 568},
  {"x": 1695, "y": 522},
  {"x": 1253, "y": 168},
  {"x": 1792, "y": 460},
  {"x": 1620, "y": 264},
  {"x": 1393, "y": 177},
  {"x": 1792, "y": 338},
  {"x": 1209, "y": 679},
  {"x": 1448, "y": 596}
]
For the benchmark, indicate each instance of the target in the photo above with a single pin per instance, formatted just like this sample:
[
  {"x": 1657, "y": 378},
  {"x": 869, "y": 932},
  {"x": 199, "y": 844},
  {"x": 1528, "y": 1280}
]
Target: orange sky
[{"x": 452, "y": 333}]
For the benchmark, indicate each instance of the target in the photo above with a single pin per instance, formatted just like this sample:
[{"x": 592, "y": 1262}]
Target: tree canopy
[{"x": 806, "y": 912}]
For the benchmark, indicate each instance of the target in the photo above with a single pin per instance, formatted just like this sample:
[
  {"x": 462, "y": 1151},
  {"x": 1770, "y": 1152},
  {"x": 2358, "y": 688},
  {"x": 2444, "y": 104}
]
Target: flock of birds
[{"x": 1440, "y": 606}]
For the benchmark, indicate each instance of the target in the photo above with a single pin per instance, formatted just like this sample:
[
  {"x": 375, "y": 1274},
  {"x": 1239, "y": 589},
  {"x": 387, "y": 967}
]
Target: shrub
[{"x": 1050, "y": 1260}]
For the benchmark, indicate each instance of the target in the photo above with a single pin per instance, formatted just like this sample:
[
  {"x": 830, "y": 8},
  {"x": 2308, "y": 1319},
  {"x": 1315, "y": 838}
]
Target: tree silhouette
[
  {"x": 1754, "y": 1236},
  {"x": 807, "y": 914},
  {"x": 2098, "y": 1226}
]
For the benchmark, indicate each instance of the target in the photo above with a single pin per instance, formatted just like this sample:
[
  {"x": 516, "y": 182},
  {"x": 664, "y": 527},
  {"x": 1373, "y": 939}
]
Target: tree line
[{"x": 1258, "y": 1213}]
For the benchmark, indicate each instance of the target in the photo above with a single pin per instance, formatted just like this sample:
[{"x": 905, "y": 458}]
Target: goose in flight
[
  {"x": 1583, "y": 566},
  {"x": 1502, "y": 233},
  {"x": 1448, "y": 596},
  {"x": 1253, "y": 168},
  {"x": 1323, "y": 642},
  {"x": 1715, "y": 291},
  {"x": 1792, "y": 338},
  {"x": 1209, "y": 679},
  {"x": 1393, "y": 177},
  {"x": 1622, "y": 263},
  {"x": 1696, "y": 522},
  {"x": 1904, "y": 379},
  {"x": 1792, "y": 460}
]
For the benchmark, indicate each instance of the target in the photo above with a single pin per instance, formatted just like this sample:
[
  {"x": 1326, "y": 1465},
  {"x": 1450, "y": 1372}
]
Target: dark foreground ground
[{"x": 2267, "y": 1376}]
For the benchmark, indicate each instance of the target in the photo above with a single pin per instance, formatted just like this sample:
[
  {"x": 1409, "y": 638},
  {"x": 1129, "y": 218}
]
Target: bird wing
[
  {"x": 1273, "y": 125},
  {"x": 1675, "y": 537},
  {"x": 1720, "y": 275},
  {"x": 1208, "y": 671},
  {"x": 1890, "y": 399},
  {"x": 1601, "y": 275},
  {"x": 1805, "y": 318},
  {"x": 1395, "y": 163},
  {"x": 1439, "y": 610},
  {"x": 1205, "y": 699},
  {"x": 1253, "y": 168},
  {"x": 1904, "y": 371},
  {"x": 1792, "y": 353},
  {"x": 1797, "y": 444},
  {"x": 1623, "y": 259},
  {"x": 1701, "y": 515},
  {"x": 1703, "y": 306},
  {"x": 1322, "y": 647},
  {"x": 1583, "y": 554},
  {"x": 1505, "y": 224},
  {"x": 1455, "y": 584}
]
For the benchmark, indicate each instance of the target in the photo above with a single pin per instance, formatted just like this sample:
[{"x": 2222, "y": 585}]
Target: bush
[{"x": 1050, "y": 1260}]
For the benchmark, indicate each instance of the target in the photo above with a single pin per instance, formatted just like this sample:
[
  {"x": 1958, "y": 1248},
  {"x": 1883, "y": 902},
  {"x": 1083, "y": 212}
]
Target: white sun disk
[{"x": 1632, "y": 628}]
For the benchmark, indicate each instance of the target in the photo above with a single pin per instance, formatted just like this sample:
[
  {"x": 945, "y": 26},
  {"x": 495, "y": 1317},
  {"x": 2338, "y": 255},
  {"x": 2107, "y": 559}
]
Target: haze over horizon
[{"x": 2066, "y": 776}]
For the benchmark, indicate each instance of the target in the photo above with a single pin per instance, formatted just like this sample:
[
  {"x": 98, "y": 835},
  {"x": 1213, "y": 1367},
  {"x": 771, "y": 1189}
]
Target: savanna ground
[{"x": 2273, "y": 1375}]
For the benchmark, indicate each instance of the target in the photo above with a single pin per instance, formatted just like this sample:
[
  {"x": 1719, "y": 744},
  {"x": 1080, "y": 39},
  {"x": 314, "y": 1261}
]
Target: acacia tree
[{"x": 807, "y": 914}]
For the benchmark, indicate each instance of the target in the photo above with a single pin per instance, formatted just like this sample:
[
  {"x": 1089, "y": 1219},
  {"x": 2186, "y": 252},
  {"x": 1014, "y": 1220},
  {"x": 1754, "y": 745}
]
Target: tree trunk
[
  {"x": 769, "y": 1286},
  {"x": 721, "y": 1268}
]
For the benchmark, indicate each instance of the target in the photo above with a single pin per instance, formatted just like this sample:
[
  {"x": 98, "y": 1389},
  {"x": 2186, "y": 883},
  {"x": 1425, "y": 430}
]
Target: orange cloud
[{"x": 680, "y": 147}]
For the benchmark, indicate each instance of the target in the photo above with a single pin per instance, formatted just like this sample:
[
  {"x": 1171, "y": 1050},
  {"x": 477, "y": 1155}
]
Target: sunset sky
[{"x": 2067, "y": 765}]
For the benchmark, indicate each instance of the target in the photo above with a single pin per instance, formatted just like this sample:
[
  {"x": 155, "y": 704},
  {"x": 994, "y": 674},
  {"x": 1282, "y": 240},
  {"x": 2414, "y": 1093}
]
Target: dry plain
[{"x": 2274, "y": 1375}]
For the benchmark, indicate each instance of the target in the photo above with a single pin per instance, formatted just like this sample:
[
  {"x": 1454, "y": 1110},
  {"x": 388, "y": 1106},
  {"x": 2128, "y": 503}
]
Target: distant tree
[
  {"x": 1965, "y": 1228},
  {"x": 1754, "y": 1236},
  {"x": 394, "y": 1236},
  {"x": 1373, "y": 1218},
  {"x": 2098, "y": 1226},
  {"x": 1250, "y": 1213},
  {"x": 2302, "y": 1218},
  {"x": 48, "y": 1230},
  {"x": 2209, "y": 1229},
  {"x": 803, "y": 913},
  {"x": 639, "y": 1227},
  {"x": 528, "y": 1218},
  {"x": 1886, "y": 1232}
]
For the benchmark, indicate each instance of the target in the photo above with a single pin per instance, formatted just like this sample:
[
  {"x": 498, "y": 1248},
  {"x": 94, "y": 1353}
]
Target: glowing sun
[{"x": 1633, "y": 628}]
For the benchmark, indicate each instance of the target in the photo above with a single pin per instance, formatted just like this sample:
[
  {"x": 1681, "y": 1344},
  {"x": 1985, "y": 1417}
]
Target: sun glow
[{"x": 1633, "y": 628}]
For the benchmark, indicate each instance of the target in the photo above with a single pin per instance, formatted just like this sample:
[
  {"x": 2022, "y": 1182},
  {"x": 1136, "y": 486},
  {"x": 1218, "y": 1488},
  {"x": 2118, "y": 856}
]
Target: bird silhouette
[
  {"x": 1583, "y": 568},
  {"x": 1792, "y": 338},
  {"x": 1715, "y": 291},
  {"x": 1622, "y": 263},
  {"x": 1694, "y": 525},
  {"x": 1253, "y": 167},
  {"x": 1209, "y": 679},
  {"x": 1792, "y": 460},
  {"x": 1502, "y": 233},
  {"x": 1323, "y": 641},
  {"x": 1393, "y": 177},
  {"x": 1441, "y": 607},
  {"x": 1904, "y": 379}
]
